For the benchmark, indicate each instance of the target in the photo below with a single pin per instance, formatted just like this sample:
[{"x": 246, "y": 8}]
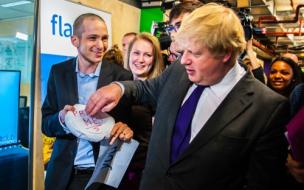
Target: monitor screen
[{"x": 9, "y": 106}]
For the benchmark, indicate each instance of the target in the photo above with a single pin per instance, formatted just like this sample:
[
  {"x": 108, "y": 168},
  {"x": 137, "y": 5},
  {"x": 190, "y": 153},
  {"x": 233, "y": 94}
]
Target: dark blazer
[
  {"x": 62, "y": 90},
  {"x": 242, "y": 145},
  {"x": 141, "y": 122},
  {"x": 296, "y": 99}
]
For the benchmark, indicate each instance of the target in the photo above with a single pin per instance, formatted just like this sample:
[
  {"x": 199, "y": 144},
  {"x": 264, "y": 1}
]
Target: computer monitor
[{"x": 9, "y": 107}]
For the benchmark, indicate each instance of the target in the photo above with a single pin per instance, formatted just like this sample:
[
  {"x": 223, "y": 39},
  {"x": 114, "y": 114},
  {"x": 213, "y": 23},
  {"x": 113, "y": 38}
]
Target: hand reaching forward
[
  {"x": 121, "y": 131},
  {"x": 104, "y": 99}
]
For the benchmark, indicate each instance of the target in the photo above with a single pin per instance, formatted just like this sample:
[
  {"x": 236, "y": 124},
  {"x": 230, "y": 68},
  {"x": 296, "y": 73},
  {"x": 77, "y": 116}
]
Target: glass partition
[{"x": 17, "y": 51}]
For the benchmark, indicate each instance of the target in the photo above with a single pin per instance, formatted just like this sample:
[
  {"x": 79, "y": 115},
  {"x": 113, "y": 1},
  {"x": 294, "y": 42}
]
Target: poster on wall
[
  {"x": 15, "y": 55},
  {"x": 56, "y": 25}
]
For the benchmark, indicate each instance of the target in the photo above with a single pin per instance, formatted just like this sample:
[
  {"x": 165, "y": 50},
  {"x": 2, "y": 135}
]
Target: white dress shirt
[{"x": 212, "y": 97}]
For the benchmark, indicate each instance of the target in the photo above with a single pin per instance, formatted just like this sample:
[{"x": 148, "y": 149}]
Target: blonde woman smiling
[
  {"x": 145, "y": 62},
  {"x": 144, "y": 57}
]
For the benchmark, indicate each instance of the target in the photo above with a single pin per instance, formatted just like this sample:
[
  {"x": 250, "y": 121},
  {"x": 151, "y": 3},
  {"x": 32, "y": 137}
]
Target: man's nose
[
  {"x": 185, "y": 58},
  {"x": 100, "y": 44},
  {"x": 172, "y": 35},
  {"x": 277, "y": 75}
]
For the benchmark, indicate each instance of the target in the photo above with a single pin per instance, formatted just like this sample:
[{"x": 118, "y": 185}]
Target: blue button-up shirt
[{"x": 87, "y": 84}]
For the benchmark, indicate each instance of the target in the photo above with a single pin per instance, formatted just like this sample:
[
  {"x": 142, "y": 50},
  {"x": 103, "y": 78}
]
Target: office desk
[{"x": 14, "y": 168}]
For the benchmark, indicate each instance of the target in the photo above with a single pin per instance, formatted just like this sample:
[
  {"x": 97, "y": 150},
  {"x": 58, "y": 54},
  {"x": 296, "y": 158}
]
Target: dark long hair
[{"x": 297, "y": 74}]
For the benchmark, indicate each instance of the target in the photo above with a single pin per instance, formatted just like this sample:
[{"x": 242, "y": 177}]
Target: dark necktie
[{"x": 182, "y": 129}]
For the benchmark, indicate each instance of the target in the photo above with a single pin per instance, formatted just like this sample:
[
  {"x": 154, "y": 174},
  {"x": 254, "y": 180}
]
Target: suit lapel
[
  {"x": 236, "y": 102},
  {"x": 106, "y": 74},
  {"x": 174, "y": 105},
  {"x": 71, "y": 81}
]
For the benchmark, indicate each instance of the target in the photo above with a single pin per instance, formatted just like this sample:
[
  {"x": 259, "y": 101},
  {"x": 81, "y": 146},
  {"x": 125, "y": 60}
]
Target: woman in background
[
  {"x": 144, "y": 57},
  {"x": 114, "y": 55},
  {"x": 145, "y": 62},
  {"x": 284, "y": 75}
]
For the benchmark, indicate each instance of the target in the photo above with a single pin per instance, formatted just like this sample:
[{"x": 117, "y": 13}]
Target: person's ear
[
  {"x": 75, "y": 41},
  {"x": 227, "y": 56}
]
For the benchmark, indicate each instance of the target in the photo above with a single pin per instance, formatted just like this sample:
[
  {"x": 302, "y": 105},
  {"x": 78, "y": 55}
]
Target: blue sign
[{"x": 60, "y": 27}]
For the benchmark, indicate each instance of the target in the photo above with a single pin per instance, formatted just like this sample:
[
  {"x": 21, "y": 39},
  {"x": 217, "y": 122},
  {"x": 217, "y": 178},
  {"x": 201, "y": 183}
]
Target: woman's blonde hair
[
  {"x": 216, "y": 27},
  {"x": 157, "y": 66}
]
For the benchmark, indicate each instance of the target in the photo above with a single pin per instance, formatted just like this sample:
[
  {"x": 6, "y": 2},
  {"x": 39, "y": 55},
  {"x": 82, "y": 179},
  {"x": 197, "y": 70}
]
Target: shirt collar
[
  {"x": 95, "y": 74},
  {"x": 229, "y": 81}
]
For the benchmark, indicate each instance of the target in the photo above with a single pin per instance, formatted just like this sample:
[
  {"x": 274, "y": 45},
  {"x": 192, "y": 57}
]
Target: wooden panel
[
  {"x": 243, "y": 3},
  {"x": 36, "y": 161}
]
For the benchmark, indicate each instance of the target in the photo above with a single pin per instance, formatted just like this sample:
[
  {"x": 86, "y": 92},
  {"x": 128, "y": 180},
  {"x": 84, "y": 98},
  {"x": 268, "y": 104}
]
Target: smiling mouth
[
  {"x": 277, "y": 83},
  {"x": 139, "y": 66},
  {"x": 98, "y": 54}
]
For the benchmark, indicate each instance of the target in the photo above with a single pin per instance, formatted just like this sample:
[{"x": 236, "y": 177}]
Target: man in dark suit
[
  {"x": 72, "y": 82},
  {"x": 233, "y": 138}
]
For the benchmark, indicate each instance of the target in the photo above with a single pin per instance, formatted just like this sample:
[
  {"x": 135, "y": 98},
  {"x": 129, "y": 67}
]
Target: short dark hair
[
  {"x": 77, "y": 25},
  {"x": 181, "y": 8}
]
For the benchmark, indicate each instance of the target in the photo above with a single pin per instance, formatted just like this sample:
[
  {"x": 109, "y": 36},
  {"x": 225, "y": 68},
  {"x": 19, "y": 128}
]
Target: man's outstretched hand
[{"x": 104, "y": 99}]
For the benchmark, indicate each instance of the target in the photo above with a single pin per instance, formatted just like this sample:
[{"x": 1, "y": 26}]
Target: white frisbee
[{"x": 89, "y": 128}]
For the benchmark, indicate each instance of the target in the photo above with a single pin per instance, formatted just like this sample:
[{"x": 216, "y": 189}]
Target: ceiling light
[
  {"x": 15, "y": 3},
  {"x": 21, "y": 36}
]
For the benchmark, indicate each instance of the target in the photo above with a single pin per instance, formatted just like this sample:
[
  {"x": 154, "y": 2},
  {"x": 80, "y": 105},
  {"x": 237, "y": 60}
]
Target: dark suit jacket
[
  {"x": 296, "y": 99},
  {"x": 141, "y": 122},
  {"x": 62, "y": 90},
  {"x": 241, "y": 146}
]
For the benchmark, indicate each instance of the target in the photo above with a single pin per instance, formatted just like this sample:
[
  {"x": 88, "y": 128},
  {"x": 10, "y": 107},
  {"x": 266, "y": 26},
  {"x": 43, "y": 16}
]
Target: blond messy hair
[{"x": 216, "y": 27}]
